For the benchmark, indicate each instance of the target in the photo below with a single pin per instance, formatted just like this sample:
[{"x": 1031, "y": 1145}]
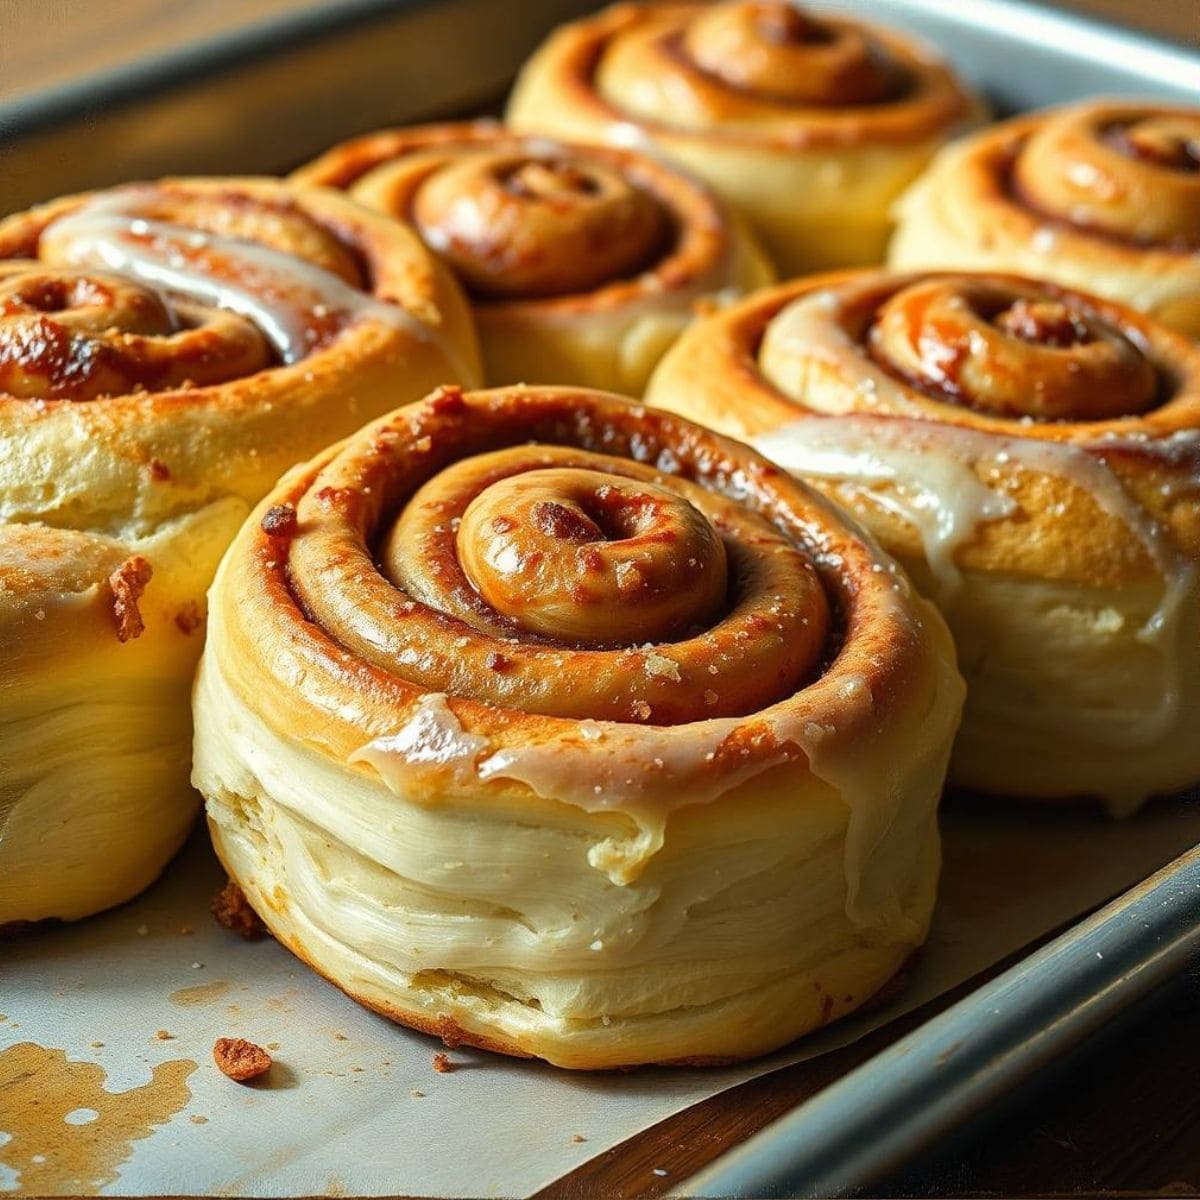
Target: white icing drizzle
[
  {"x": 937, "y": 492},
  {"x": 932, "y": 470},
  {"x": 432, "y": 737},
  {"x": 889, "y": 778},
  {"x": 280, "y": 293}
]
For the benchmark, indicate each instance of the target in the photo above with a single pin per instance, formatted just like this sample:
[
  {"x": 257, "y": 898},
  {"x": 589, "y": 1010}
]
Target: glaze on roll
[
  {"x": 166, "y": 350},
  {"x": 1103, "y": 195},
  {"x": 565, "y": 728},
  {"x": 583, "y": 263},
  {"x": 1032, "y": 455},
  {"x": 809, "y": 125}
]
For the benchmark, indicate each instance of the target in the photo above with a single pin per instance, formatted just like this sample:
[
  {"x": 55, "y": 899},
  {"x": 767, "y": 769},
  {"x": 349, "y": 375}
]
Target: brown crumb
[
  {"x": 578, "y": 1137},
  {"x": 232, "y": 911},
  {"x": 240, "y": 1060},
  {"x": 128, "y": 582},
  {"x": 442, "y": 1064},
  {"x": 189, "y": 618},
  {"x": 163, "y": 1036},
  {"x": 450, "y": 1033},
  {"x": 272, "y": 1045},
  {"x": 280, "y": 521},
  {"x": 415, "y": 1093}
]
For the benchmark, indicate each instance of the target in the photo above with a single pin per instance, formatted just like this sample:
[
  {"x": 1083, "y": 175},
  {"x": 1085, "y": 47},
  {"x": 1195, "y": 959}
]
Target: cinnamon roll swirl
[
  {"x": 809, "y": 125},
  {"x": 583, "y": 263},
  {"x": 568, "y": 729},
  {"x": 166, "y": 350},
  {"x": 1032, "y": 455},
  {"x": 1103, "y": 195}
]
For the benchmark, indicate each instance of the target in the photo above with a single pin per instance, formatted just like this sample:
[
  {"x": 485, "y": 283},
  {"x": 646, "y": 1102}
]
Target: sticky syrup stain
[
  {"x": 203, "y": 993},
  {"x": 40, "y": 1088}
]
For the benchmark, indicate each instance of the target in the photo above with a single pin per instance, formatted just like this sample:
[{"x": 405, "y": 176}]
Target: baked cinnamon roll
[
  {"x": 1032, "y": 456},
  {"x": 809, "y": 125},
  {"x": 166, "y": 351},
  {"x": 568, "y": 729},
  {"x": 1103, "y": 195},
  {"x": 583, "y": 263}
]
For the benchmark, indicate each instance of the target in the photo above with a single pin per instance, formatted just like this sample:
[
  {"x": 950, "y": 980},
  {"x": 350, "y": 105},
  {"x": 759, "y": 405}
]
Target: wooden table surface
[{"x": 1124, "y": 1120}]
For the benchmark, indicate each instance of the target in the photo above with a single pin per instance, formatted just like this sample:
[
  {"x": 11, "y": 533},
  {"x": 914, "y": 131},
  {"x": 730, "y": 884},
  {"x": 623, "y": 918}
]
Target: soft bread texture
[
  {"x": 1102, "y": 195},
  {"x": 565, "y": 848},
  {"x": 1064, "y": 553},
  {"x": 808, "y": 126},
  {"x": 141, "y": 416},
  {"x": 582, "y": 263}
]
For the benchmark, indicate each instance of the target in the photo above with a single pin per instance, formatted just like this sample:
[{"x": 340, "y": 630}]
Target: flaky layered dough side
[
  {"x": 560, "y": 846},
  {"x": 1102, "y": 196},
  {"x": 582, "y": 263},
  {"x": 1032, "y": 456},
  {"x": 166, "y": 350},
  {"x": 809, "y": 126}
]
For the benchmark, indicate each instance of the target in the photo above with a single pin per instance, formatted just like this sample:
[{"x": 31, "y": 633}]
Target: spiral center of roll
[
  {"x": 775, "y": 50},
  {"x": 581, "y": 556},
  {"x": 1171, "y": 142},
  {"x": 528, "y": 228},
  {"x": 551, "y": 179},
  {"x": 1011, "y": 350},
  {"x": 1048, "y": 322}
]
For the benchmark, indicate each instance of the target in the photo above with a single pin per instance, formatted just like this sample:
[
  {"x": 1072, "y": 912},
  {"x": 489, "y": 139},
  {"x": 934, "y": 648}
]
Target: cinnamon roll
[
  {"x": 809, "y": 125},
  {"x": 569, "y": 729},
  {"x": 166, "y": 351},
  {"x": 1103, "y": 195},
  {"x": 583, "y": 263},
  {"x": 1032, "y": 455}
]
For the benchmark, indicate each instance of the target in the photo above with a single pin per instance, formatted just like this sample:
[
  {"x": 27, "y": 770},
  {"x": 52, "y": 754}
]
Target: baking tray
[{"x": 270, "y": 96}]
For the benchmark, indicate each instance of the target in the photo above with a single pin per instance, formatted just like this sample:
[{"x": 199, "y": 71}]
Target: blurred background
[{"x": 93, "y": 93}]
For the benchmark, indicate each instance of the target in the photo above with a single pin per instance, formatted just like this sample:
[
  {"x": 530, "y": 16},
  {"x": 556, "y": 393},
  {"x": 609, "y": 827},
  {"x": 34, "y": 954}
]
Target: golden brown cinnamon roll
[
  {"x": 809, "y": 125},
  {"x": 1103, "y": 195},
  {"x": 166, "y": 350},
  {"x": 1032, "y": 456},
  {"x": 568, "y": 729},
  {"x": 583, "y": 263}
]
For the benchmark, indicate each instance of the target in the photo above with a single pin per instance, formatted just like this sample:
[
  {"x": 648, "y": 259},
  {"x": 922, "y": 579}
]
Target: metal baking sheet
[{"x": 341, "y": 1116}]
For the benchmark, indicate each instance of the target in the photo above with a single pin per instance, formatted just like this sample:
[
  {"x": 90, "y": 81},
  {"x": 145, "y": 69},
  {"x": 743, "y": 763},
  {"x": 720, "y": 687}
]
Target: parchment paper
[{"x": 341, "y": 1113}]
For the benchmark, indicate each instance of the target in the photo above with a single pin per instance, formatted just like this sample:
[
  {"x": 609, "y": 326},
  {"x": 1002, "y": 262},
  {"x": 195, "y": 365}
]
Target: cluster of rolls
[{"x": 549, "y": 719}]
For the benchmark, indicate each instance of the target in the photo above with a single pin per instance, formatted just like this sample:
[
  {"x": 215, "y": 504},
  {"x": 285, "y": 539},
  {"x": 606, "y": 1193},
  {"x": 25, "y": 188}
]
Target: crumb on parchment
[
  {"x": 232, "y": 911},
  {"x": 240, "y": 1060},
  {"x": 442, "y": 1063}
]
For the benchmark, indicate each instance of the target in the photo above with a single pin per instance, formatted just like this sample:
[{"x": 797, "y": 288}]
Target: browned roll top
[
  {"x": 1013, "y": 348},
  {"x": 525, "y": 227},
  {"x": 533, "y": 220},
  {"x": 778, "y": 52},
  {"x": 524, "y": 550},
  {"x": 1130, "y": 172},
  {"x": 75, "y": 332}
]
